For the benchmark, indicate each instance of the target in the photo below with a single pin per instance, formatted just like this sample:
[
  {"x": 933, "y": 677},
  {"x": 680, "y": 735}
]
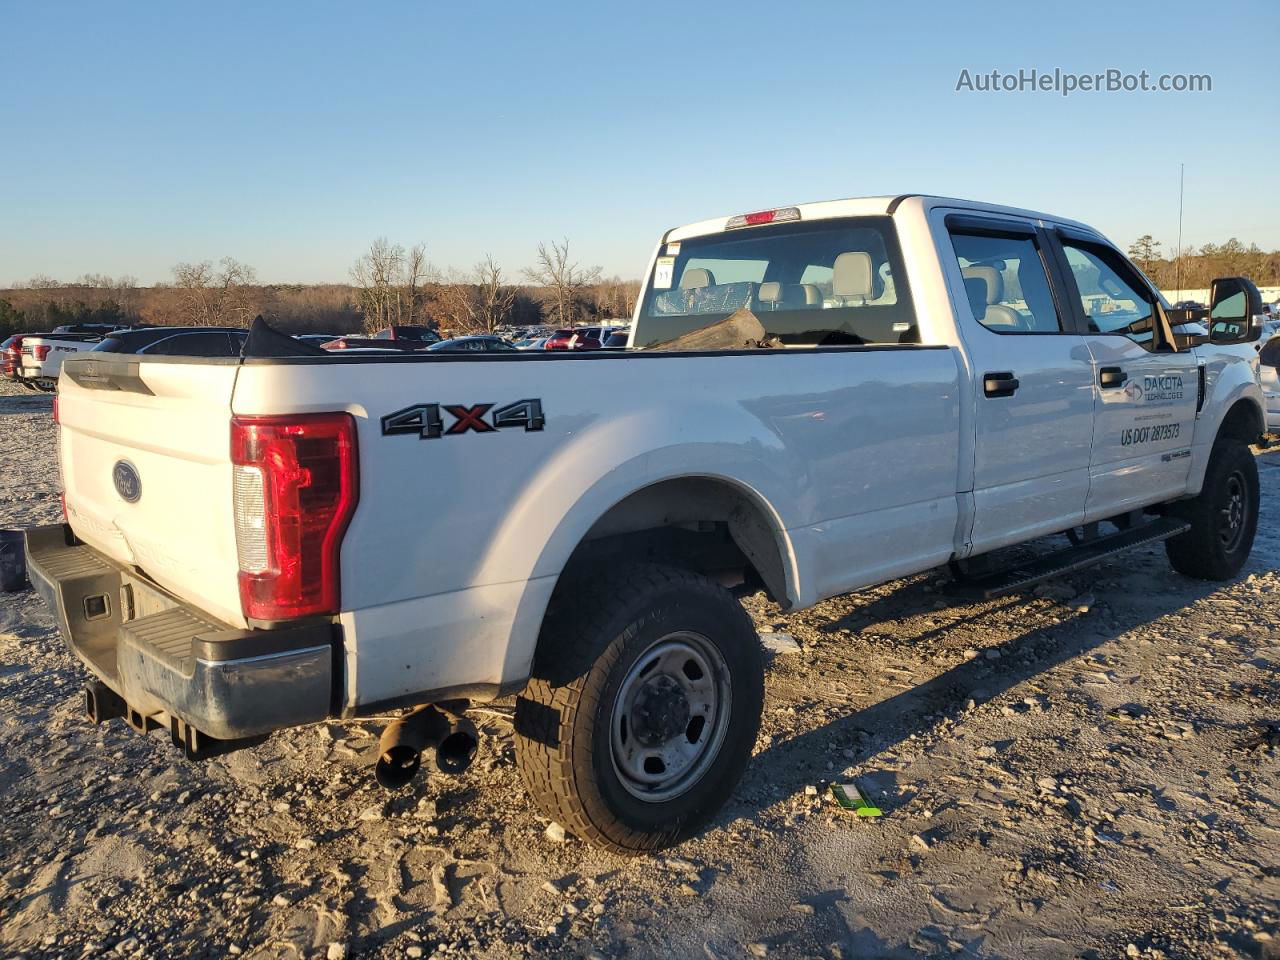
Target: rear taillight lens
[
  {"x": 295, "y": 488},
  {"x": 40, "y": 351},
  {"x": 56, "y": 421}
]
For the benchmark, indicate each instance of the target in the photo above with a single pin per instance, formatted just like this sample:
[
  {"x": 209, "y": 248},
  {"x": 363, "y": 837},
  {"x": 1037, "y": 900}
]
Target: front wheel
[
  {"x": 643, "y": 707},
  {"x": 1223, "y": 518}
]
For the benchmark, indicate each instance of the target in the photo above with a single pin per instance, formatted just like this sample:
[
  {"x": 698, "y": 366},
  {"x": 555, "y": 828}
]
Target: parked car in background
[
  {"x": 43, "y": 353},
  {"x": 11, "y": 356},
  {"x": 176, "y": 341},
  {"x": 531, "y": 343},
  {"x": 396, "y": 336},
  {"x": 477, "y": 344},
  {"x": 1269, "y": 377},
  {"x": 100, "y": 329},
  {"x": 587, "y": 338},
  {"x": 577, "y": 338},
  {"x": 616, "y": 340},
  {"x": 559, "y": 340}
]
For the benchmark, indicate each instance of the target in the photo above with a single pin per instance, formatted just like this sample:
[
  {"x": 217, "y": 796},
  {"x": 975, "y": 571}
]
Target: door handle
[
  {"x": 1112, "y": 377},
  {"x": 999, "y": 384}
]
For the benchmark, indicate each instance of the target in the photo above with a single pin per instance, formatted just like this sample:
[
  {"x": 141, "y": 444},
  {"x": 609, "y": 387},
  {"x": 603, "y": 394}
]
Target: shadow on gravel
[
  {"x": 36, "y": 403},
  {"x": 784, "y": 769}
]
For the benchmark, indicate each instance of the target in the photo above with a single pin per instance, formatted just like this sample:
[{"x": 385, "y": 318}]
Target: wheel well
[
  {"x": 696, "y": 523},
  {"x": 1243, "y": 422}
]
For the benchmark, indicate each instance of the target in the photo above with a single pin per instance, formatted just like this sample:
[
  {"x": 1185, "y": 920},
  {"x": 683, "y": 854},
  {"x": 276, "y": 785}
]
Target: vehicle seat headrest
[
  {"x": 991, "y": 277},
  {"x": 770, "y": 292},
  {"x": 697, "y": 277},
  {"x": 851, "y": 275},
  {"x": 976, "y": 289}
]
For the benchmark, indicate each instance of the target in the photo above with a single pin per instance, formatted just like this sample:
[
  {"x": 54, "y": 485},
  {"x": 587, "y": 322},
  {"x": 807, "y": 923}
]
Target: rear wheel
[
  {"x": 1223, "y": 518},
  {"x": 643, "y": 707}
]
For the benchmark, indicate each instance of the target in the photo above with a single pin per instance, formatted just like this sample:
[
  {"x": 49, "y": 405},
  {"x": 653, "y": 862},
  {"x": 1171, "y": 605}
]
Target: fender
[
  {"x": 561, "y": 504},
  {"x": 1227, "y": 381}
]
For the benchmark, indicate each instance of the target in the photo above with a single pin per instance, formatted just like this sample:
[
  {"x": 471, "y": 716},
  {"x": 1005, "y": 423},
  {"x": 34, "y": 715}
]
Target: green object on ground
[{"x": 851, "y": 797}]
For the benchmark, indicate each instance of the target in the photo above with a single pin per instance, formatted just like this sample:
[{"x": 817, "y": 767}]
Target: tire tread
[{"x": 577, "y": 640}]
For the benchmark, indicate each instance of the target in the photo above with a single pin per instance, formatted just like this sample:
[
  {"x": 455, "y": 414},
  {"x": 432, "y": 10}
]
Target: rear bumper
[{"x": 174, "y": 666}]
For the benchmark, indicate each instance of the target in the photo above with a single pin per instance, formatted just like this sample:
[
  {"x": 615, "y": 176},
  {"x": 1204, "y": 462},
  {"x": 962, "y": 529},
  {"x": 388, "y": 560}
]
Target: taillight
[
  {"x": 40, "y": 351},
  {"x": 56, "y": 421},
  {"x": 295, "y": 487}
]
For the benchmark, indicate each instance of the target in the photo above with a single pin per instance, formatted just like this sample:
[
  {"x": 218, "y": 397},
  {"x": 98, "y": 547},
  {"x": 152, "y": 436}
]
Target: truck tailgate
[{"x": 145, "y": 457}]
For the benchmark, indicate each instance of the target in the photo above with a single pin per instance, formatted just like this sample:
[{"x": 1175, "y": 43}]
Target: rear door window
[{"x": 1005, "y": 280}]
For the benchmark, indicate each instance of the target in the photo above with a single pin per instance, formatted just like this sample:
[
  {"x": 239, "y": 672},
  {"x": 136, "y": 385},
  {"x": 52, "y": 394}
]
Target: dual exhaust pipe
[{"x": 452, "y": 736}]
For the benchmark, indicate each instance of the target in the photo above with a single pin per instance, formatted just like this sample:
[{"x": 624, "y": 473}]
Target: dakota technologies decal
[{"x": 1154, "y": 388}]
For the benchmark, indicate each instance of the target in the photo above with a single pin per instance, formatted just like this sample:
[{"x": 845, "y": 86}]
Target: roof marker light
[{"x": 780, "y": 215}]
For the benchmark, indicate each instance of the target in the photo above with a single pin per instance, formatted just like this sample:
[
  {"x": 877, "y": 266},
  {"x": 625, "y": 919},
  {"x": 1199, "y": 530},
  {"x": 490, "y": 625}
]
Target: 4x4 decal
[{"x": 425, "y": 421}]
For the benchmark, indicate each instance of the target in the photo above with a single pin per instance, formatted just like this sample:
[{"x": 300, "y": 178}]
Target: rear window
[
  {"x": 825, "y": 283},
  {"x": 203, "y": 344}
]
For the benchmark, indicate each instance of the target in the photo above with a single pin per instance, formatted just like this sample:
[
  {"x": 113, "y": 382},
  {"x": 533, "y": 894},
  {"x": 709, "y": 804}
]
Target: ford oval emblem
[{"x": 128, "y": 484}]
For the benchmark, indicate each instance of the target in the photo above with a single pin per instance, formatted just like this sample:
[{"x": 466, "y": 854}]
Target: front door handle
[
  {"x": 1112, "y": 377},
  {"x": 1002, "y": 384}
]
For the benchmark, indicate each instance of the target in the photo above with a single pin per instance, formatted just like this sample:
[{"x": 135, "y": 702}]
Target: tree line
[
  {"x": 391, "y": 283},
  {"x": 1198, "y": 266}
]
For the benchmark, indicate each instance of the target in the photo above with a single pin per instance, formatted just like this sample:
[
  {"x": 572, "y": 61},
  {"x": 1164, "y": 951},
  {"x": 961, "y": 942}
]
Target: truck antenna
[{"x": 1182, "y": 167}]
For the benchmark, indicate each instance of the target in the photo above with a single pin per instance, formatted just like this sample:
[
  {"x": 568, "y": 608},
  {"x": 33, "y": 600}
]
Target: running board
[{"x": 1002, "y": 582}]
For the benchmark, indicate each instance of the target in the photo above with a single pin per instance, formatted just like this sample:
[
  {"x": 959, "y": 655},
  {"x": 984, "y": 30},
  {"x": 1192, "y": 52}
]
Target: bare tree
[
  {"x": 193, "y": 281},
  {"x": 213, "y": 297},
  {"x": 391, "y": 283},
  {"x": 475, "y": 302},
  {"x": 562, "y": 277},
  {"x": 376, "y": 274},
  {"x": 416, "y": 272},
  {"x": 235, "y": 301},
  {"x": 494, "y": 296}
]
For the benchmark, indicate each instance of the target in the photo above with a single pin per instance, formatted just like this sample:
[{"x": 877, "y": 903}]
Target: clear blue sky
[{"x": 289, "y": 135}]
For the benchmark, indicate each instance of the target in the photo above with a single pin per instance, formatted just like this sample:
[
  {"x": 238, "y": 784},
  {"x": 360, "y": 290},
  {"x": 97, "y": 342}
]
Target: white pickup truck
[
  {"x": 43, "y": 353},
  {"x": 900, "y": 384}
]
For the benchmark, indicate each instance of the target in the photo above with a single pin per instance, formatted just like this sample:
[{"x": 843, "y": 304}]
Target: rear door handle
[
  {"x": 1002, "y": 384},
  {"x": 1112, "y": 377}
]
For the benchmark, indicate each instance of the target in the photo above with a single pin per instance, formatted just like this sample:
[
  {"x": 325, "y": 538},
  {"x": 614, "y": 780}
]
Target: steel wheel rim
[
  {"x": 1231, "y": 516},
  {"x": 670, "y": 716}
]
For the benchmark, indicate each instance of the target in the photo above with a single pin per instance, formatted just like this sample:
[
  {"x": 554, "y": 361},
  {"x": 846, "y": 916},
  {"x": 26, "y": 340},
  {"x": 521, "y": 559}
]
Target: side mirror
[{"x": 1233, "y": 303}]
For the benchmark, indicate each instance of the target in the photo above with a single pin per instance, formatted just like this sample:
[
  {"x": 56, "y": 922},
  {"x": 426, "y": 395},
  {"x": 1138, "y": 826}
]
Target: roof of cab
[{"x": 871, "y": 207}]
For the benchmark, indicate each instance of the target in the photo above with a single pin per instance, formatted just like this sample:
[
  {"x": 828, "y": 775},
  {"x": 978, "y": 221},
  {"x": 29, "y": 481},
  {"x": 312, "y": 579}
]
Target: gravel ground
[{"x": 1090, "y": 771}]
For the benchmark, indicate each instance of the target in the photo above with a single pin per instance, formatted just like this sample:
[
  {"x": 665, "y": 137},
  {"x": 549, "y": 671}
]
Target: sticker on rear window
[
  {"x": 663, "y": 272},
  {"x": 673, "y": 249}
]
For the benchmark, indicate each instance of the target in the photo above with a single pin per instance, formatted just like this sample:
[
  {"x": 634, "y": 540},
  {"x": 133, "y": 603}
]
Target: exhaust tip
[
  {"x": 397, "y": 766},
  {"x": 456, "y": 751}
]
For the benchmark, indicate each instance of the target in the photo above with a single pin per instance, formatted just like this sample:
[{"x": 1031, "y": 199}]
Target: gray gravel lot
[{"x": 1086, "y": 772}]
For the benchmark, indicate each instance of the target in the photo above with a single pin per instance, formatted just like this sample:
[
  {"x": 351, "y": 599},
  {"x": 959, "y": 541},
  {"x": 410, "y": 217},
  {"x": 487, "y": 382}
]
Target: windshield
[{"x": 825, "y": 283}]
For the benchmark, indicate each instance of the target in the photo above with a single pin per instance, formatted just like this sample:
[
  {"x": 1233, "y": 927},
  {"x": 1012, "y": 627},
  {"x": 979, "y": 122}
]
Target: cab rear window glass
[{"x": 825, "y": 283}]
